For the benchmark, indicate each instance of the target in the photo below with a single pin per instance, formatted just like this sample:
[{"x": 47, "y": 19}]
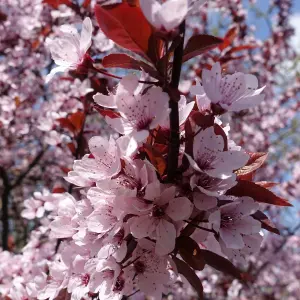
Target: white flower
[
  {"x": 233, "y": 92},
  {"x": 166, "y": 16},
  {"x": 68, "y": 50},
  {"x": 233, "y": 220}
]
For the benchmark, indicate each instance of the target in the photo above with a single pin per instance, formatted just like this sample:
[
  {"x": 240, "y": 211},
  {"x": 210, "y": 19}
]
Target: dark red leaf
[
  {"x": 3, "y": 17},
  {"x": 156, "y": 159},
  {"x": 199, "y": 44},
  {"x": 220, "y": 263},
  {"x": 107, "y": 112},
  {"x": 124, "y": 61},
  {"x": 255, "y": 161},
  {"x": 126, "y": 26},
  {"x": 77, "y": 120},
  {"x": 72, "y": 148},
  {"x": 56, "y": 3},
  {"x": 266, "y": 223},
  {"x": 190, "y": 252},
  {"x": 190, "y": 275},
  {"x": 240, "y": 48},
  {"x": 190, "y": 228},
  {"x": 86, "y": 3},
  {"x": 266, "y": 184},
  {"x": 229, "y": 37},
  {"x": 58, "y": 190},
  {"x": 201, "y": 120},
  {"x": 65, "y": 123},
  {"x": 257, "y": 192}
]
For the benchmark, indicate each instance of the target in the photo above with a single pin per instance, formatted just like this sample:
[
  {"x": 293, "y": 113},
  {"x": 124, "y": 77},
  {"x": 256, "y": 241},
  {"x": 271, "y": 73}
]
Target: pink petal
[
  {"x": 204, "y": 202},
  {"x": 142, "y": 226},
  {"x": 232, "y": 238},
  {"x": 165, "y": 237},
  {"x": 179, "y": 208}
]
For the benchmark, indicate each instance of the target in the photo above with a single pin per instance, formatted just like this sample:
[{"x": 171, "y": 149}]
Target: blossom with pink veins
[
  {"x": 234, "y": 220},
  {"x": 203, "y": 103},
  {"x": 132, "y": 181},
  {"x": 232, "y": 92},
  {"x": 71, "y": 217},
  {"x": 166, "y": 16},
  {"x": 212, "y": 186},
  {"x": 149, "y": 270},
  {"x": 107, "y": 216},
  {"x": 68, "y": 51},
  {"x": 209, "y": 156},
  {"x": 107, "y": 279},
  {"x": 252, "y": 245},
  {"x": 36, "y": 206},
  {"x": 158, "y": 219},
  {"x": 139, "y": 112},
  {"x": 103, "y": 162}
]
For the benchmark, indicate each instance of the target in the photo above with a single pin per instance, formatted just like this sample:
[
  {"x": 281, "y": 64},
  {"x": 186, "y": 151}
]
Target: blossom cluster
[
  {"x": 130, "y": 230},
  {"x": 121, "y": 236}
]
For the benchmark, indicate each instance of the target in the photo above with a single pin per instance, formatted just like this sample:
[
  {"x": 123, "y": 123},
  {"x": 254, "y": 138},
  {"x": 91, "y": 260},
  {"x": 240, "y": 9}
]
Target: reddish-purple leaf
[
  {"x": 229, "y": 37},
  {"x": 255, "y": 161},
  {"x": 126, "y": 26},
  {"x": 220, "y": 263},
  {"x": 190, "y": 252},
  {"x": 107, "y": 112},
  {"x": 190, "y": 275},
  {"x": 124, "y": 61},
  {"x": 266, "y": 184},
  {"x": 199, "y": 44},
  {"x": 266, "y": 223},
  {"x": 241, "y": 48},
  {"x": 257, "y": 192}
]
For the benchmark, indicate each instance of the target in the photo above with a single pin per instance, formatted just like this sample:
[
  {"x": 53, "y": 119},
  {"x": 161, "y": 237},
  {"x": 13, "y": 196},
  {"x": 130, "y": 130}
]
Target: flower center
[
  {"x": 85, "y": 279},
  {"x": 226, "y": 220},
  {"x": 139, "y": 267},
  {"x": 119, "y": 285},
  {"x": 143, "y": 124},
  {"x": 158, "y": 211}
]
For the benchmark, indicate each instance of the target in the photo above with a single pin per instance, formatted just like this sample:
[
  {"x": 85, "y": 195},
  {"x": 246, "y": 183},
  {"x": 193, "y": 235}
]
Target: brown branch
[
  {"x": 173, "y": 105},
  {"x": 29, "y": 168},
  {"x": 5, "y": 200}
]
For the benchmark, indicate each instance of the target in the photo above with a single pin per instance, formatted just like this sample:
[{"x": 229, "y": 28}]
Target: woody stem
[{"x": 174, "y": 143}]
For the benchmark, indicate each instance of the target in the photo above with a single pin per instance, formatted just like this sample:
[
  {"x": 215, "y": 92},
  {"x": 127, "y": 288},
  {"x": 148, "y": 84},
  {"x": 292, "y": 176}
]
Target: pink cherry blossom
[
  {"x": 150, "y": 270},
  {"x": 68, "y": 50},
  {"x": 166, "y": 16},
  {"x": 159, "y": 218},
  {"x": 104, "y": 162},
  {"x": 233, "y": 220},
  {"x": 210, "y": 157},
  {"x": 139, "y": 112},
  {"x": 233, "y": 92}
]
